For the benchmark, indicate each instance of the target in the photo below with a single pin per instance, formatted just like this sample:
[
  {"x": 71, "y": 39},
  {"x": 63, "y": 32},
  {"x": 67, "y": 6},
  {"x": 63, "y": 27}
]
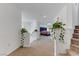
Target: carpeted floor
[{"x": 40, "y": 47}]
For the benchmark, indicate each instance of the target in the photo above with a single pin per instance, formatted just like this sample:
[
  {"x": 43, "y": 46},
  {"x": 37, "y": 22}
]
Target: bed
[{"x": 44, "y": 32}]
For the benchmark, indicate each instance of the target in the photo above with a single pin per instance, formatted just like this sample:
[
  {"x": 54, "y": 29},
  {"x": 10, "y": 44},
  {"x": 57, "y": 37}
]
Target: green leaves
[
  {"x": 23, "y": 30},
  {"x": 59, "y": 25}
]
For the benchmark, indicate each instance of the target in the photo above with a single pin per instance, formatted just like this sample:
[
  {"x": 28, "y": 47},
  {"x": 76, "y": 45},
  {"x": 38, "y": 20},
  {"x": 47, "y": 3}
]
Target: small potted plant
[
  {"x": 58, "y": 29},
  {"x": 23, "y": 31}
]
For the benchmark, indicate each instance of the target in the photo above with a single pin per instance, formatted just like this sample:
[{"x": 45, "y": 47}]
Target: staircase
[{"x": 74, "y": 48}]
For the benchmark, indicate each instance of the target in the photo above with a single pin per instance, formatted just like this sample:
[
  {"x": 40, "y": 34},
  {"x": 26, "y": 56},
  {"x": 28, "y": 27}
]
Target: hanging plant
[
  {"x": 23, "y": 31},
  {"x": 58, "y": 26}
]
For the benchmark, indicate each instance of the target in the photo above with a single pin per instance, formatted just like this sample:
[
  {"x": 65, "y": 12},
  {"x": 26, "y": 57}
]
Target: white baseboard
[{"x": 6, "y": 54}]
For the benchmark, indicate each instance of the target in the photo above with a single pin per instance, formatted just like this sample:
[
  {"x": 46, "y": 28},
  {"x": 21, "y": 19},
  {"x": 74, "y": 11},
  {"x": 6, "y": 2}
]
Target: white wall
[
  {"x": 78, "y": 14},
  {"x": 45, "y": 21},
  {"x": 10, "y": 24},
  {"x": 28, "y": 22},
  {"x": 75, "y": 14}
]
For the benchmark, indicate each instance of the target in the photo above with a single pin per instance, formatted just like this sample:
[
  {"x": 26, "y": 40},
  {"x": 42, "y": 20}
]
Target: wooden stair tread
[
  {"x": 76, "y": 29},
  {"x": 76, "y": 33},
  {"x": 75, "y": 39},
  {"x": 74, "y": 50},
  {"x": 76, "y": 46},
  {"x": 73, "y": 53}
]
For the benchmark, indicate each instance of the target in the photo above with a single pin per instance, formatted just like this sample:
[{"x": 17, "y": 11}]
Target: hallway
[{"x": 40, "y": 47}]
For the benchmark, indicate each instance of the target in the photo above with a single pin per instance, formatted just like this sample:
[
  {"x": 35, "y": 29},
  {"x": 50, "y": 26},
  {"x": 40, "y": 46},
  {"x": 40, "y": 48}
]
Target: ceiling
[{"x": 41, "y": 10}]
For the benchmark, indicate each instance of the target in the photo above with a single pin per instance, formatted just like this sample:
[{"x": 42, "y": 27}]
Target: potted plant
[
  {"x": 23, "y": 31},
  {"x": 58, "y": 29}
]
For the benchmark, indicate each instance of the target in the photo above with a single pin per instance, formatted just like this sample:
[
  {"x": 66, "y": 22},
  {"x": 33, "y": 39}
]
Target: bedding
[{"x": 44, "y": 32}]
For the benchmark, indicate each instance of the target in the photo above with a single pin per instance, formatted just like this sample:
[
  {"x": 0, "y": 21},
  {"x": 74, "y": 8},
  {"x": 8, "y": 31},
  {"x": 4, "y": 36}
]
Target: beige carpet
[{"x": 40, "y": 47}]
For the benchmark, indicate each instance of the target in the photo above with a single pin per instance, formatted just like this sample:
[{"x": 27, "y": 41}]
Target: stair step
[
  {"x": 77, "y": 27},
  {"x": 76, "y": 31},
  {"x": 72, "y": 53},
  {"x": 75, "y": 47},
  {"x": 75, "y": 41},
  {"x": 76, "y": 35}
]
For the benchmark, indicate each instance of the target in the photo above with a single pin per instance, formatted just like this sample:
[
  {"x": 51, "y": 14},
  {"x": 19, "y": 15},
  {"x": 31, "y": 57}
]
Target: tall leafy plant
[
  {"x": 58, "y": 26},
  {"x": 23, "y": 31}
]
